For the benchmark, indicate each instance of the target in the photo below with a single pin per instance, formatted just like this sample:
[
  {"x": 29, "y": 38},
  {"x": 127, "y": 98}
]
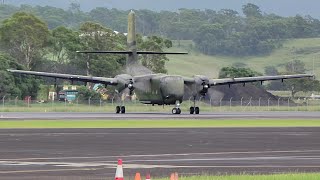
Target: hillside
[{"x": 306, "y": 50}]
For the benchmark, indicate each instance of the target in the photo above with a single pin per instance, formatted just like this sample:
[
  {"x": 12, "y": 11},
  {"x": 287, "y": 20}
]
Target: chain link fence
[{"x": 210, "y": 105}]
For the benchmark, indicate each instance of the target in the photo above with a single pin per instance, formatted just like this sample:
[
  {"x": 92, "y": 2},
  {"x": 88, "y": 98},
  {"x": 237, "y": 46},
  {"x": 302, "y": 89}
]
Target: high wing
[
  {"x": 102, "y": 80},
  {"x": 215, "y": 82}
]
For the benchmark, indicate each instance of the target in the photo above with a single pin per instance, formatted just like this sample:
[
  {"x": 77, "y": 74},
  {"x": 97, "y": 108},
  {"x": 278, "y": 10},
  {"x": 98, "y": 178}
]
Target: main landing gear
[
  {"x": 194, "y": 109},
  {"x": 121, "y": 109}
]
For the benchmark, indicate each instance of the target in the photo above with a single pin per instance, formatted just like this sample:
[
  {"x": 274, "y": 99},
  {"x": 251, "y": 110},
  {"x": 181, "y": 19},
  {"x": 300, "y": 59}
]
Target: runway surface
[
  {"x": 92, "y": 153},
  {"x": 113, "y": 116}
]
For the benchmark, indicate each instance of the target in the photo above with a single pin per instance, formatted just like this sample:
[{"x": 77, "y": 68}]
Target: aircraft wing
[
  {"x": 214, "y": 82},
  {"x": 102, "y": 80}
]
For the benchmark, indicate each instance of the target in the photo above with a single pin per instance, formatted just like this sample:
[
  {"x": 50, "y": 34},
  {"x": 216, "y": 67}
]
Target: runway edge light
[{"x": 119, "y": 171}]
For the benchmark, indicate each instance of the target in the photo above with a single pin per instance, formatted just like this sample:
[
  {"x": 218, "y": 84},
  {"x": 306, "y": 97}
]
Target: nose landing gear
[{"x": 176, "y": 110}]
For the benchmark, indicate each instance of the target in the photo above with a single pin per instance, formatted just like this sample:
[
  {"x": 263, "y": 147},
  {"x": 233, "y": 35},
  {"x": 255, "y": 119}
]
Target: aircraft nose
[{"x": 172, "y": 88}]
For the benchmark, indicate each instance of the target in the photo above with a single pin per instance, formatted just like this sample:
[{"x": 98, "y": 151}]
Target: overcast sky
[{"x": 281, "y": 7}]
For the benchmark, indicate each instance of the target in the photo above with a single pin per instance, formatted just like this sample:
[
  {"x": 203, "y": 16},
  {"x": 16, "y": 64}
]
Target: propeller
[
  {"x": 202, "y": 84},
  {"x": 130, "y": 87},
  {"x": 125, "y": 81}
]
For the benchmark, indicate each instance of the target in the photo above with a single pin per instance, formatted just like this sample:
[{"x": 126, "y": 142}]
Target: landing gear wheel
[
  {"x": 197, "y": 110},
  {"x": 176, "y": 111},
  {"x": 191, "y": 110},
  {"x": 123, "y": 109},
  {"x": 118, "y": 109}
]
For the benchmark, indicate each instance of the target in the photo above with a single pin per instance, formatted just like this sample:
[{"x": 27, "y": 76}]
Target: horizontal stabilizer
[
  {"x": 105, "y": 52},
  {"x": 128, "y": 52},
  {"x": 152, "y": 52}
]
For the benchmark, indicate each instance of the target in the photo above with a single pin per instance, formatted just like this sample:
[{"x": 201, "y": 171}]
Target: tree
[
  {"x": 233, "y": 72},
  {"x": 24, "y": 36},
  {"x": 95, "y": 37},
  {"x": 209, "y": 38},
  {"x": 304, "y": 85},
  {"x": 15, "y": 86},
  {"x": 295, "y": 66},
  {"x": 297, "y": 85},
  {"x": 251, "y": 10},
  {"x": 85, "y": 94},
  {"x": 64, "y": 43},
  {"x": 156, "y": 63},
  {"x": 271, "y": 71},
  {"x": 273, "y": 85}
]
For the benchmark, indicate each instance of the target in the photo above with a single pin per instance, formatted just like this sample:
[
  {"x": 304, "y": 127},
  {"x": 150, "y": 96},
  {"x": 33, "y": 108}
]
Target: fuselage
[{"x": 159, "y": 89}]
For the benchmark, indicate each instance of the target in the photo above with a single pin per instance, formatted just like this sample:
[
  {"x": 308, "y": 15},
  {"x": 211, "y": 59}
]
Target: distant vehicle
[
  {"x": 68, "y": 95},
  {"x": 313, "y": 96}
]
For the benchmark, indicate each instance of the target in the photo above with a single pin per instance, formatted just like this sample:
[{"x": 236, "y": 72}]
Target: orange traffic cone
[
  {"x": 172, "y": 176},
  {"x": 137, "y": 177},
  {"x": 119, "y": 172},
  {"x": 148, "y": 176}
]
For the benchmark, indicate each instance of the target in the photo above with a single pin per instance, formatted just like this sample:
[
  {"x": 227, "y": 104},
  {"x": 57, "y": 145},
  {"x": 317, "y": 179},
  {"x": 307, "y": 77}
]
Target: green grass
[
  {"x": 306, "y": 50},
  {"x": 156, "y": 123},
  {"x": 302, "y": 176}
]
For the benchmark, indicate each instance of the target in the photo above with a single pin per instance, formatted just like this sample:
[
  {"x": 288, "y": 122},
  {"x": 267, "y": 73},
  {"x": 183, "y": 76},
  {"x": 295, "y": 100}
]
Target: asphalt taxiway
[
  {"x": 148, "y": 115},
  {"x": 92, "y": 153}
]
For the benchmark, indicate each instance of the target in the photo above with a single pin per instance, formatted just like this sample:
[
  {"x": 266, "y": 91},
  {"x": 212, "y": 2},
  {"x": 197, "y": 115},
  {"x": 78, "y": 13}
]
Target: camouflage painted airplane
[{"x": 156, "y": 89}]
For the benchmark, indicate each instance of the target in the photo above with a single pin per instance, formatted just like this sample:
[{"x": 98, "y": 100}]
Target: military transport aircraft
[{"x": 156, "y": 89}]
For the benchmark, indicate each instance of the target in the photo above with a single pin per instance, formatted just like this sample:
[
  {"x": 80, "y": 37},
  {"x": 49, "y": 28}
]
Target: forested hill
[
  {"x": 283, "y": 7},
  {"x": 222, "y": 32}
]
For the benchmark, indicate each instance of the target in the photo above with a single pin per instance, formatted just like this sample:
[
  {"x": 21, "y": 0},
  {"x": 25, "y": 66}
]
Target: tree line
[{"x": 223, "y": 32}]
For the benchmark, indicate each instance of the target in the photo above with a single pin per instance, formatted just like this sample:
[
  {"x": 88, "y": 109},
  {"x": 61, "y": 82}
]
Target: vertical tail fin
[{"x": 131, "y": 38}]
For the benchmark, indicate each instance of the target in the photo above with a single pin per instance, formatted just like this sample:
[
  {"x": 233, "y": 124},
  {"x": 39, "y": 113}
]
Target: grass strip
[
  {"x": 302, "y": 176},
  {"x": 156, "y": 123}
]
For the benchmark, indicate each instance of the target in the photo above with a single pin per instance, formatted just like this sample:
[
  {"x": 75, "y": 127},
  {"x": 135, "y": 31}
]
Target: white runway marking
[
  {"x": 47, "y": 170},
  {"x": 164, "y": 155},
  {"x": 109, "y": 164}
]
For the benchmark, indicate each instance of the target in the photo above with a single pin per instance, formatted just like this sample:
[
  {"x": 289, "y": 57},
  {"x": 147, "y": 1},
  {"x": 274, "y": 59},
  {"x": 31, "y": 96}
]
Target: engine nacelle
[
  {"x": 202, "y": 84},
  {"x": 125, "y": 81}
]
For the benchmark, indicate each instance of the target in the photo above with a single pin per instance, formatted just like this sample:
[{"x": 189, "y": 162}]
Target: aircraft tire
[
  {"x": 118, "y": 109},
  {"x": 197, "y": 110},
  {"x": 191, "y": 110},
  {"x": 176, "y": 111},
  {"x": 123, "y": 109}
]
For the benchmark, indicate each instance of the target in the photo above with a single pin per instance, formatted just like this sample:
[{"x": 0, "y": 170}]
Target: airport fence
[{"x": 209, "y": 105}]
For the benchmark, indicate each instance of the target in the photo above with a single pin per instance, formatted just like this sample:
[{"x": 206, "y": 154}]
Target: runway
[
  {"x": 92, "y": 153},
  {"x": 149, "y": 116}
]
